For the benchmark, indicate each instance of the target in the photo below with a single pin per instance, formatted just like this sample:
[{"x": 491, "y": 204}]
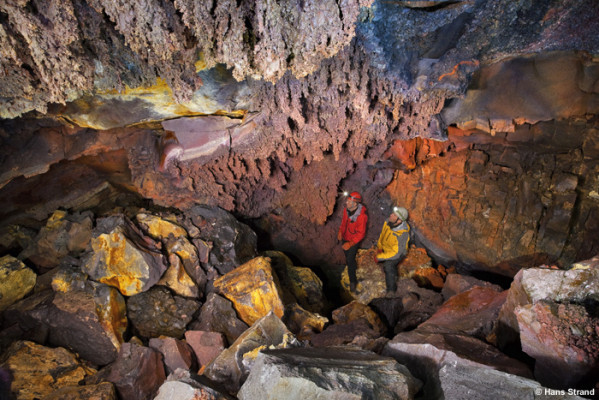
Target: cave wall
[{"x": 477, "y": 116}]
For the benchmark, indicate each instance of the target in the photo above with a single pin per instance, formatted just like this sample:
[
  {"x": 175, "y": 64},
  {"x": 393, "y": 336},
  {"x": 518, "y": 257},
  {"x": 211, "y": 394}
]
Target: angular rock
[
  {"x": 336, "y": 373},
  {"x": 457, "y": 283},
  {"x": 303, "y": 324},
  {"x": 176, "y": 353},
  {"x": 469, "y": 382},
  {"x": 233, "y": 243},
  {"x": 174, "y": 237},
  {"x": 182, "y": 385},
  {"x": 253, "y": 289},
  {"x": 564, "y": 341},
  {"x": 206, "y": 346},
  {"x": 83, "y": 316},
  {"x": 157, "y": 312},
  {"x": 16, "y": 238},
  {"x": 231, "y": 367},
  {"x": 92, "y": 323},
  {"x": 16, "y": 281},
  {"x": 416, "y": 259},
  {"x": 63, "y": 234},
  {"x": 137, "y": 373},
  {"x": 425, "y": 354},
  {"x": 37, "y": 371},
  {"x": 101, "y": 391},
  {"x": 217, "y": 315},
  {"x": 473, "y": 313},
  {"x": 177, "y": 279},
  {"x": 353, "y": 311},
  {"x": 576, "y": 285},
  {"x": 303, "y": 284},
  {"x": 188, "y": 256},
  {"x": 123, "y": 258},
  {"x": 161, "y": 228}
]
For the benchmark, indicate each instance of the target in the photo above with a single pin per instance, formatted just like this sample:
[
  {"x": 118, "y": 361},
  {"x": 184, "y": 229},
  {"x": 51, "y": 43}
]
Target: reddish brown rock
[
  {"x": 564, "y": 341},
  {"x": 137, "y": 373},
  {"x": 206, "y": 346},
  {"x": 342, "y": 334},
  {"x": 175, "y": 353},
  {"x": 428, "y": 277},
  {"x": 473, "y": 312},
  {"x": 457, "y": 283}
]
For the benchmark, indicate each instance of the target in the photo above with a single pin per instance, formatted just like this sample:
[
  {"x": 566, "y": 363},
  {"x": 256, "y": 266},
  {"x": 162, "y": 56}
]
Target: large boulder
[
  {"x": 183, "y": 255},
  {"x": 157, "y": 312},
  {"x": 470, "y": 382},
  {"x": 335, "y": 373},
  {"x": 232, "y": 366},
  {"x": 217, "y": 315},
  {"x": 457, "y": 283},
  {"x": 233, "y": 243},
  {"x": 63, "y": 234},
  {"x": 426, "y": 353},
  {"x": 473, "y": 312},
  {"x": 84, "y": 316},
  {"x": 16, "y": 281},
  {"x": 37, "y": 371},
  {"x": 122, "y": 257},
  {"x": 564, "y": 341},
  {"x": 579, "y": 285},
  {"x": 137, "y": 373},
  {"x": 302, "y": 284},
  {"x": 253, "y": 289}
]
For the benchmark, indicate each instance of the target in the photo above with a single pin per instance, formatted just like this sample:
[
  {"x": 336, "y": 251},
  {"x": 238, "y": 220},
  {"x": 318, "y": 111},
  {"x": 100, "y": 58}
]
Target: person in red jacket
[{"x": 351, "y": 232}]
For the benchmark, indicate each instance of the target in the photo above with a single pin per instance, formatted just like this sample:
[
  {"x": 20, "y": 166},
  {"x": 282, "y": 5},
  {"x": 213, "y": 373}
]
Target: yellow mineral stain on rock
[
  {"x": 123, "y": 262},
  {"x": 159, "y": 228},
  {"x": 39, "y": 370},
  {"x": 16, "y": 281},
  {"x": 113, "y": 317},
  {"x": 253, "y": 289}
]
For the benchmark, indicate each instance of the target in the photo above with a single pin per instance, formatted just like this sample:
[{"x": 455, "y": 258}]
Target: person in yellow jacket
[{"x": 392, "y": 246}]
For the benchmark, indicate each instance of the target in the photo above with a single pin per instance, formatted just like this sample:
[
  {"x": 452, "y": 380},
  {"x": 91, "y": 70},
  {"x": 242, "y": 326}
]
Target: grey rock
[
  {"x": 331, "y": 373},
  {"x": 426, "y": 353},
  {"x": 157, "y": 312},
  {"x": 218, "y": 315},
  {"x": 468, "y": 382}
]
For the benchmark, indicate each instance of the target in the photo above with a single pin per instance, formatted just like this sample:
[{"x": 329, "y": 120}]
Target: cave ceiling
[{"x": 269, "y": 108}]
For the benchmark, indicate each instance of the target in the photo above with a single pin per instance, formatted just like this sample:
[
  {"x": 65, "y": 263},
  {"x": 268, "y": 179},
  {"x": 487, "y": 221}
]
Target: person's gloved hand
[
  {"x": 346, "y": 245},
  {"x": 379, "y": 251},
  {"x": 375, "y": 258},
  {"x": 339, "y": 236}
]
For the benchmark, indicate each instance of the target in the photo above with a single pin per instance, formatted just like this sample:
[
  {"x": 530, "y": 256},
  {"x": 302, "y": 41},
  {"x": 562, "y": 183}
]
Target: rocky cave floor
[{"x": 141, "y": 303}]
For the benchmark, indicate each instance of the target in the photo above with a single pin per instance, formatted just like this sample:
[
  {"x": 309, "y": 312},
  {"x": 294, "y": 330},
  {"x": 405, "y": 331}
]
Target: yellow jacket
[{"x": 393, "y": 241}]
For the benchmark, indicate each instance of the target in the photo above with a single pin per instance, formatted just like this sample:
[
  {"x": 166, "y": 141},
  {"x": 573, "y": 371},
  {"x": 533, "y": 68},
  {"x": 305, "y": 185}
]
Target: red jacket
[{"x": 353, "y": 229}]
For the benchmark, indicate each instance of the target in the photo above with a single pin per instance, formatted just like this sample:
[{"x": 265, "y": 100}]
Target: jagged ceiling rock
[{"x": 55, "y": 51}]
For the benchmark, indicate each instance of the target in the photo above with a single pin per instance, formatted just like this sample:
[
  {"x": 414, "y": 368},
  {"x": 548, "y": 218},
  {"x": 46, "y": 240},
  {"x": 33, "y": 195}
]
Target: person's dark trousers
[
  {"x": 352, "y": 266},
  {"x": 390, "y": 267}
]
